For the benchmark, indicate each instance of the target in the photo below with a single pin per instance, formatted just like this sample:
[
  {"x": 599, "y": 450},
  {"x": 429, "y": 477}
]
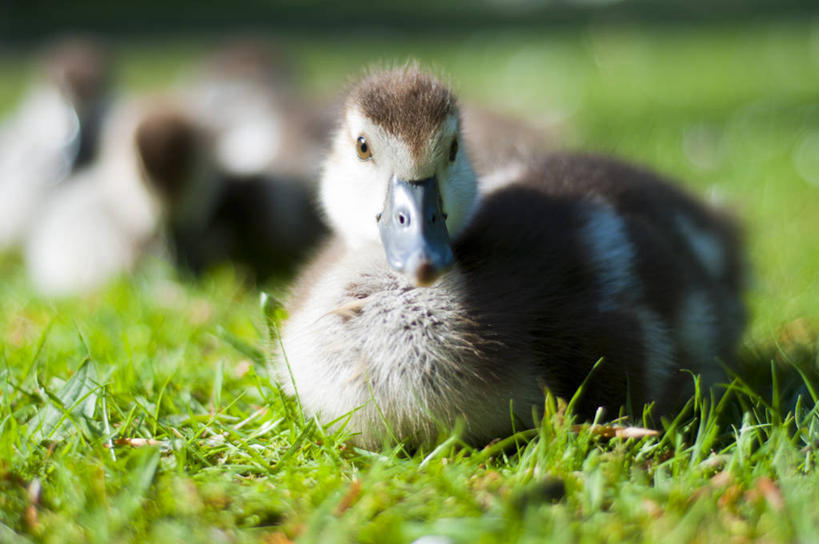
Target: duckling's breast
[{"x": 422, "y": 357}]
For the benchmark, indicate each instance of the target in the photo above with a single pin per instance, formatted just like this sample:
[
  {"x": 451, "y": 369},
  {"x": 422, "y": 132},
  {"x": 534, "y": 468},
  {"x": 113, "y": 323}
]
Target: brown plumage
[
  {"x": 81, "y": 69},
  {"x": 169, "y": 145},
  {"x": 406, "y": 102}
]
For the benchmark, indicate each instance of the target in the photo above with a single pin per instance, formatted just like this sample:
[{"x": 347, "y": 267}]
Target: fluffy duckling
[
  {"x": 52, "y": 133},
  {"x": 157, "y": 181},
  {"x": 436, "y": 303},
  {"x": 151, "y": 171},
  {"x": 264, "y": 216}
]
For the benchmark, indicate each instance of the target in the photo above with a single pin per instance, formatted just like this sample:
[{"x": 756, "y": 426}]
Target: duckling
[
  {"x": 437, "y": 303},
  {"x": 152, "y": 170},
  {"x": 52, "y": 133},
  {"x": 264, "y": 217}
]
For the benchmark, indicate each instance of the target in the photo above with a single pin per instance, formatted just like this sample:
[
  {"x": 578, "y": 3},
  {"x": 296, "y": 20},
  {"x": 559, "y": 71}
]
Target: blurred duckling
[
  {"x": 265, "y": 224},
  {"x": 264, "y": 138},
  {"x": 54, "y": 131},
  {"x": 437, "y": 303},
  {"x": 152, "y": 170},
  {"x": 156, "y": 187}
]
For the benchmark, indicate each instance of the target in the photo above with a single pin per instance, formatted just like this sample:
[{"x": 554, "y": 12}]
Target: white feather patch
[
  {"x": 612, "y": 253},
  {"x": 708, "y": 249},
  {"x": 698, "y": 332}
]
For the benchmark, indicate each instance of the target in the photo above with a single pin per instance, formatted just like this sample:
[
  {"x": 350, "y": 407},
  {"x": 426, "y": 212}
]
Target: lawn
[{"x": 147, "y": 411}]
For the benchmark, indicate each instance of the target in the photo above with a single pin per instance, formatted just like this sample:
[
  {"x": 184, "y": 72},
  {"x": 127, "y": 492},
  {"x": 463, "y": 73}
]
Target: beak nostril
[
  {"x": 413, "y": 231},
  {"x": 378, "y": 217}
]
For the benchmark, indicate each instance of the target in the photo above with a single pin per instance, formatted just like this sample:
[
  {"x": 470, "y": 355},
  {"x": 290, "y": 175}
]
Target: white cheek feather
[
  {"x": 351, "y": 195},
  {"x": 350, "y": 192},
  {"x": 612, "y": 253}
]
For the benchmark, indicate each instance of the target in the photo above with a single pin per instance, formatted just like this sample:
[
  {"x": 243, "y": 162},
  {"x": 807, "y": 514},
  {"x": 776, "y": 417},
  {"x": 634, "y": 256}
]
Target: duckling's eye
[
  {"x": 364, "y": 151},
  {"x": 453, "y": 150}
]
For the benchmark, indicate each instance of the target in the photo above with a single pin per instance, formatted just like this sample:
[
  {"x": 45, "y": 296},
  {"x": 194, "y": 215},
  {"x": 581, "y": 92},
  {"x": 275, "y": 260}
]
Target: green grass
[{"x": 732, "y": 111}]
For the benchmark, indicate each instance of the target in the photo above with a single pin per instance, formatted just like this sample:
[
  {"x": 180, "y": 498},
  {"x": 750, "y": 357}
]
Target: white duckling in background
[
  {"x": 53, "y": 132},
  {"x": 435, "y": 303}
]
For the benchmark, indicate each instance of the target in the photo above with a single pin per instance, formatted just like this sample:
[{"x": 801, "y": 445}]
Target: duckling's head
[
  {"x": 397, "y": 171},
  {"x": 169, "y": 145},
  {"x": 81, "y": 70}
]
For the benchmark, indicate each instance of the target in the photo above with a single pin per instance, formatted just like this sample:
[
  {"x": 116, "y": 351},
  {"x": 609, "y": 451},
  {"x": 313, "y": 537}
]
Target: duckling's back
[{"x": 603, "y": 259}]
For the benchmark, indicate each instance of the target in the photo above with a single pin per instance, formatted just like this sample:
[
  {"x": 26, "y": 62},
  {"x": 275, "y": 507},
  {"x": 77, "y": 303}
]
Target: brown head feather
[
  {"x": 406, "y": 102},
  {"x": 168, "y": 142},
  {"x": 81, "y": 68}
]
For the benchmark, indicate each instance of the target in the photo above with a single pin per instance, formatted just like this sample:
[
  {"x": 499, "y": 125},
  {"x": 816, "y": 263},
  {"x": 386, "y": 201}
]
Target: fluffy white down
[{"x": 414, "y": 369}]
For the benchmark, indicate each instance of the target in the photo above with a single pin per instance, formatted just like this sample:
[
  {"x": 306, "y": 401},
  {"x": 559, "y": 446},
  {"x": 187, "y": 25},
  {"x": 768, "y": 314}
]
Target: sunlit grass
[{"x": 145, "y": 412}]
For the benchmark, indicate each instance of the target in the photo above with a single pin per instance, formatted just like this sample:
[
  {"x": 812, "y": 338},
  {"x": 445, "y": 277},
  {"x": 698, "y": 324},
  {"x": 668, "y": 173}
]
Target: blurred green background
[{"x": 722, "y": 95}]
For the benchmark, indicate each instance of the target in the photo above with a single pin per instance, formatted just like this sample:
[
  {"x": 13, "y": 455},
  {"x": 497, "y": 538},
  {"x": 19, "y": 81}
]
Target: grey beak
[{"x": 413, "y": 230}]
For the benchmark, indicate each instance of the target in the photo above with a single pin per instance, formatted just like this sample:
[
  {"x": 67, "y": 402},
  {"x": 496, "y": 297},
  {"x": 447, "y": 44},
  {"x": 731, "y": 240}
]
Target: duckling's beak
[{"x": 413, "y": 230}]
